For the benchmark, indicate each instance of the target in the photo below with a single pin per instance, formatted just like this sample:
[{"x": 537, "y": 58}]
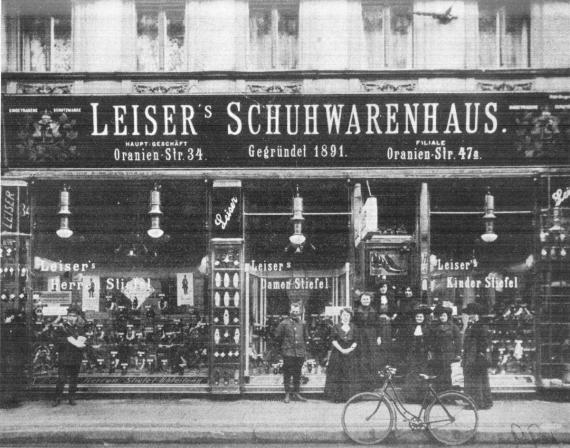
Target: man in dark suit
[
  {"x": 292, "y": 337},
  {"x": 70, "y": 347}
]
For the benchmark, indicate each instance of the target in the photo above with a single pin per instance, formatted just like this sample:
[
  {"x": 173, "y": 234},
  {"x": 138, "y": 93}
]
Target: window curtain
[
  {"x": 487, "y": 36},
  {"x": 260, "y": 49},
  {"x": 11, "y": 46},
  {"x": 373, "y": 21},
  {"x": 104, "y": 35},
  {"x": 216, "y": 34},
  {"x": 515, "y": 45},
  {"x": 323, "y": 27}
]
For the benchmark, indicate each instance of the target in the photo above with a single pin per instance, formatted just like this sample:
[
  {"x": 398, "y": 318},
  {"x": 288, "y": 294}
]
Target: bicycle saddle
[{"x": 427, "y": 377}]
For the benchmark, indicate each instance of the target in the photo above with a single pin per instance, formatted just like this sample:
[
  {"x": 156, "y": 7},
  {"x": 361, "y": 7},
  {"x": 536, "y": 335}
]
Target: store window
[
  {"x": 160, "y": 36},
  {"x": 289, "y": 264},
  {"x": 131, "y": 255},
  {"x": 38, "y": 41},
  {"x": 493, "y": 266},
  {"x": 504, "y": 34},
  {"x": 273, "y": 35},
  {"x": 388, "y": 34}
]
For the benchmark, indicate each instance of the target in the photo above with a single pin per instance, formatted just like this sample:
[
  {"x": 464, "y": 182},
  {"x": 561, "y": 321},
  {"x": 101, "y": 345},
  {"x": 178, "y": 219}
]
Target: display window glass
[
  {"x": 491, "y": 266},
  {"x": 132, "y": 255},
  {"x": 288, "y": 264}
]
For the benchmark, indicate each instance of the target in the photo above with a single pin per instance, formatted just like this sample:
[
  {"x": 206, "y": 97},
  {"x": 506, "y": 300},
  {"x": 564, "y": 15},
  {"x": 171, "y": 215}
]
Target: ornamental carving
[
  {"x": 275, "y": 88},
  {"x": 45, "y": 89},
  {"x": 506, "y": 86},
  {"x": 47, "y": 137},
  {"x": 384, "y": 86},
  {"x": 542, "y": 134},
  {"x": 162, "y": 88}
]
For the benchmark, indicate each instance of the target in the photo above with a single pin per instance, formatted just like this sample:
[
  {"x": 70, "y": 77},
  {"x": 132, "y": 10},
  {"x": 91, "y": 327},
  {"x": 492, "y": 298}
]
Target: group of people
[
  {"x": 418, "y": 339},
  {"x": 362, "y": 343}
]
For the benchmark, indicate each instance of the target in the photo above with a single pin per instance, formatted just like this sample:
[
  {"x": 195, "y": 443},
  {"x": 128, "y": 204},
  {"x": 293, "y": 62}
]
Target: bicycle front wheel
[
  {"x": 452, "y": 418},
  {"x": 368, "y": 418}
]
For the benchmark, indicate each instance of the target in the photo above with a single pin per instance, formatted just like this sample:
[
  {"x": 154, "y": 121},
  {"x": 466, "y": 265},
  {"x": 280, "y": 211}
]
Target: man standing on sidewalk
[
  {"x": 71, "y": 344},
  {"x": 292, "y": 337}
]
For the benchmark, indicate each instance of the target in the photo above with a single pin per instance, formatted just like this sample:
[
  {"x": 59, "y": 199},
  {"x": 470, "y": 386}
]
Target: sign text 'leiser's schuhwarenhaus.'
[{"x": 287, "y": 130}]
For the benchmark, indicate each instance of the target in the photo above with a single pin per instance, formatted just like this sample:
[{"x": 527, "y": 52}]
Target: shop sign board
[
  {"x": 55, "y": 303},
  {"x": 286, "y": 131},
  {"x": 15, "y": 216},
  {"x": 226, "y": 217}
]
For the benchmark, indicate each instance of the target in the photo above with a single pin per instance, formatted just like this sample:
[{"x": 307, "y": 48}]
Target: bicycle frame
[{"x": 400, "y": 407}]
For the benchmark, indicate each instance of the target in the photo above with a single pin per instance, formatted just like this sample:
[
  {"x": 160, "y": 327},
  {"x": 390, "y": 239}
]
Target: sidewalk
[{"x": 205, "y": 420}]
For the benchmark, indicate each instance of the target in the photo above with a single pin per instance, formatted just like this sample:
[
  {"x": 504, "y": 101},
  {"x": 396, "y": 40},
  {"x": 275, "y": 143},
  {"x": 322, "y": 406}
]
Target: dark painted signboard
[
  {"x": 227, "y": 212},
  {"x": 261, "y": 131},
  {"x": 15, "y": 210}
]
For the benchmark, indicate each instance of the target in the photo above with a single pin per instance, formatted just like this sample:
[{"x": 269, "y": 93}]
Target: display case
[
  {"x": 553, "y": 276},
  {"x": 226, "y": 354},
  {"x": 14, "y": 248}
]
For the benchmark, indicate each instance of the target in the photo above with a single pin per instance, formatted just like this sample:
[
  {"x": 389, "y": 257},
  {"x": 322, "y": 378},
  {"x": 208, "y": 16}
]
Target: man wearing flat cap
[{"x": 70, "y": 347}]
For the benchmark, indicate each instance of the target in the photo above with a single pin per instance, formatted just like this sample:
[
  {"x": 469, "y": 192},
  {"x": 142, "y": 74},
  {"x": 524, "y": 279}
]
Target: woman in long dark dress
[
  {"x": 445, "y": 346},
  {"x": 416, "y": 336},
  {"x": 475, "y": 359},
  {"x": 341, "y": 382},
  {"x": 369, "y": 340}
]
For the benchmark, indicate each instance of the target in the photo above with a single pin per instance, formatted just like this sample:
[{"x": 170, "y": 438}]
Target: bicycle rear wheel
[
  {"x": 452, "y": 418},
  {"x": 368, "y": 418}
]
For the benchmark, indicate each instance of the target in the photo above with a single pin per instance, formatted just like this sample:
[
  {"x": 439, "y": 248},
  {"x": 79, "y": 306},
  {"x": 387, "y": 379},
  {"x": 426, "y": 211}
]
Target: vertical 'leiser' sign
[
  {"x": 15, "y": 210},
  {"x": 10, "y": 209},
  {"x": 226, "y": 212}
]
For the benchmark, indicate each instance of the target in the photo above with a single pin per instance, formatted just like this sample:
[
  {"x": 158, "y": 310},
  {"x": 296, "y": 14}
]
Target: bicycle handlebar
[{"x": 387, "y": 371}]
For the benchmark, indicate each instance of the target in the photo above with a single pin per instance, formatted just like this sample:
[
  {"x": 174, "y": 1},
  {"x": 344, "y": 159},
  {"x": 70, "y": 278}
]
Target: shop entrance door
[{"x": 269, "y": 294}]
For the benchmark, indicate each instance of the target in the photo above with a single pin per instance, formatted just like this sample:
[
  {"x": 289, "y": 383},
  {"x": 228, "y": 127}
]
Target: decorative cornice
[
  {"x": 45, "y": 88},
  {"x": 505, "y": 86},
  {"x": 280, "y": 75},
  {"x": 388, "y": 86},
  {"x": 162, "y": 88},
  {"x": 275, "y": 88}
]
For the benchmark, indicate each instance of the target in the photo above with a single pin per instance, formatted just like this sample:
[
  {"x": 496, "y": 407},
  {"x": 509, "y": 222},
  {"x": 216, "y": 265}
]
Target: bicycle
[{"x": 451, "y": 417}]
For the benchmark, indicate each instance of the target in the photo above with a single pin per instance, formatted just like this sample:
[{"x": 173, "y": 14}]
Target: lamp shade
[
  {"x": 155, "y": 212},
  {"x": 64, "y": 213},
  {"x": 297, "y": 238},
  {"x": 489, "y": 236},
  {"x": 155, "y": 231},
  {"x": 64, "y": 231}
]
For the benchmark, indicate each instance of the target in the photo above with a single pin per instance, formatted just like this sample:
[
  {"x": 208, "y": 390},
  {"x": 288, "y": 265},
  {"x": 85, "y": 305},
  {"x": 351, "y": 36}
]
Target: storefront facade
[{"x": 184, "y": 219}]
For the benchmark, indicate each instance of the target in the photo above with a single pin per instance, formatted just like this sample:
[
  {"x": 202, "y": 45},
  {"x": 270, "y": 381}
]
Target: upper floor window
[
  {"x": 160, "y": 36},
  {"x": 273, "y": 35},
  {"x": 504, "y": 33},
  {"x": 388, "y": 34},
  {"x": 39, "y": 43}
]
